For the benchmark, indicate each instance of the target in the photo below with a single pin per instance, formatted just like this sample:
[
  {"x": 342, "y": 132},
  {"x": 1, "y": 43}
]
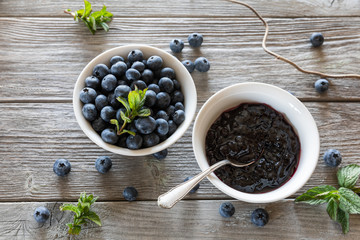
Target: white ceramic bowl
[
  {"x": 182, "y": 75},
  {"x": 282, "y": 101}
]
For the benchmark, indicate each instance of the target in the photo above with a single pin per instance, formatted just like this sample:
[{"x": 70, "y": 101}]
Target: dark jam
[{"x": 253, "y": 132}]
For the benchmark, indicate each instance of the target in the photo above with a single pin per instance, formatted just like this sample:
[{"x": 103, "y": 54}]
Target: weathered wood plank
[
  {"x": 44, "y": 64},
  {"x": 186, "y": 8},
  {"x": 187, "y": 220},
  {"x": 34, "y": 135}
]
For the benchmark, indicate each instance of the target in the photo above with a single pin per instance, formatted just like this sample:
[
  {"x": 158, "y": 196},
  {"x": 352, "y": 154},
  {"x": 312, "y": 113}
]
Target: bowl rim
[
  {"x": 190, "y": 105},
  {"x": 257, "y": 197}
]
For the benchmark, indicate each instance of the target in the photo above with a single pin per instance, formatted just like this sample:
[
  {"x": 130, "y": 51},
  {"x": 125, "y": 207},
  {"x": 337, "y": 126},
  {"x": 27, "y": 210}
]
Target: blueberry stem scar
[{"x": 286, "y": 59}]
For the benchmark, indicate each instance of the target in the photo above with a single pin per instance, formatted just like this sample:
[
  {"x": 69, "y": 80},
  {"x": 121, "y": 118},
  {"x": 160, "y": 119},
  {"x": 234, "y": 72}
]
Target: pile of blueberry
[
  {"x": 195, "y": 40},
  {"x": 163, "y": 97}
]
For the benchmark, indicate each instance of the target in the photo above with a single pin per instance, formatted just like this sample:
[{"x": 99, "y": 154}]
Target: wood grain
[
  {"x": 185, "y": 8},
  {"x": 187, "y": 220},
  {"x": 34, "y": 135},
  {"x": 44, "y": 64}
]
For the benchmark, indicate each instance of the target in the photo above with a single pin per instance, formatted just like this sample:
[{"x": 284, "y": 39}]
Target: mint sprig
[
  {"x": 340, "y": 202},
  {"x": 82, "y": 213},
  {"x": 134, "y": 108},
  {"x": 93, "y": 20}
]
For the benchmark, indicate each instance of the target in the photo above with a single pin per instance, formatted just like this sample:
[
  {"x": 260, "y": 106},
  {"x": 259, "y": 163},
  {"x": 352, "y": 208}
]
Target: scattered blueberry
[
  {"x": 317, "y": 39},
  {"x": 109, "y": 83},
  {"x": 167, "y": 72},
  {"x": 176, "y": 45},
  {"x": 101, "y": 101},
  {"x": 151, "y": 140},
  {"x": 162, "y": 126},
  {"x": 195, "y": 40},
  {"x": 135, "y": 55},
  {"x": 109, "y": 136},
  {"x": 178, "y": 116},
  {"x": 227, "y": 209},
  {"x": 189, "y": 65},
  {"x": 107, "y": 113},
  {"x": 194, "y": 189},
  {"x": 92, "y": 82},
  {"x": 88, "y": 95},
  {"x": 161, "y": 155},
  {"x": 332, "y": 157},
  {"x": 100, "y": 71},
  {"x": 134, "y": 142},
  {"x": 321, "y": 85},
  {"x": 103, "y": 164},
  {"x": 116, "y": 59},
  {"x": 62, "y": 167},
  {"x": 154, "y": 87},
  {"x": 163, "y": 100},
  {"x": 202, "y": 64},
  {"x": 122, "y": 91},
  {"x": 118, "y": 69},
  {"x": 154, "y": 62},
  {"x": 166, "y": 85},
  {"x": 132, "y": 74},
  {"x": 89, "y": 112},
  {"x": 260, "y": 217},
  {"x": 130, "y": 194},
  {"x": 140, "y": 66},
  {"x": 41, "y": 214}
]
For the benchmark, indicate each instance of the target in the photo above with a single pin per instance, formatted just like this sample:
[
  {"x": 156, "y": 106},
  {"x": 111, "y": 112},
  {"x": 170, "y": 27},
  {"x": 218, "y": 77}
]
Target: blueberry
[
  {"x": 109, "y": 83},
  {"x": 161, "y": 155},
  {"x": 154, "y": 63},
  {"x": 92, "y": 82},
  {"x": 150, "y": 98},
  {"x": 130, "y": 194},
  {"x": 122, "y": 141},
  {"x": 321, "y": 85},
  {"x": 194, "y": 189},
  {"x": 41, "y": 214},
  {"x": 172, "y": 127},
  {"x": 134, "y": 142},
  {"x": 118, "y": 69},
  {"x": 88, "y": 95},
  {"x": 177, "y": 96},
  {"x": 162, "y": 114},
  {"x": 147, "y": 76},
  {"x": 123, "y": 82},
  {"x": 154, "y": 87},
  {"x": 163, "y": 100},
  {"x": 176, "y": 45},
  {"x": 226, "y": 209},
  {"x": 151, "y": 140},
  {"x": 109, "y": 136},
  {"x": 140, "y": 66},
  {"x": 116, "y": 59},
  {"x": 179, "y": 106},
  {"x": 100, "y": 71},
  {"x": 195, "y": 39},
  {"x": 122, "y": 91},
  {"x": 189, "y": 65},
  {"x": 139, "y": 83},
  {"x": 166, "y": 85},
  {"x": 178, "y": 116},
  {"x": 170, "y": 110},
  {"x": 107, "y": 113},
  {"x": 177, "y": 85},
  {"x": 101, "y": 101},
  {"x": 132, "y": 74},
  {"x": 103, "y": 164},
  {"x": 145, "y": 125},
  {"x": 89, "y": 112},
  {"x": 202, "y": 64},
  {"x": 162, "y": 126},
  {"x": 332, "y": 158},
  {"x": 135, "y": 55},
  {"x": 99, "y": 125},
  {"x": 317, "y": 39},
  {"x": 113, "y": 101},
  {"x": 260, "y": 217},
  {"x": 167, "y": 72},
  {"x": 61, "y": 167}
]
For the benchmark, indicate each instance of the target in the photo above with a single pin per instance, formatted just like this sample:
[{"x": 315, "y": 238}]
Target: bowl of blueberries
[
  {"x": 263, "y": 125},
  {"x": 134, "y": 100}
]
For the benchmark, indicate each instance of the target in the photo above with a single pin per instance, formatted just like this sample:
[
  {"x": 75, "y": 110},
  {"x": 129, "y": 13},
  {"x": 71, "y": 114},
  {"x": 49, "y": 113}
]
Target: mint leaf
[
  {"x": 144, "y": 112},
  {"x": 87, "y": 9},
  {"x": 332, "y": 208},
  {"x": 93, "y": 217},
  {"x": 124, "y": 102},
  {"x": 128, "y": 131},
  {"x": 75, "y": 230},
  {"x": 343, "y": 219},
  {"x": 104, "y": 26},
  {"x": 116, "y": 123},
  {"x": 317, "y": 195},
  {"x": 124, "y": 117},
  {"x": 70, "y": 207},
  {"x": 348, "y": 176},
  {"x": 349, "y": 201},
  {"x": 134, "y": 99}
]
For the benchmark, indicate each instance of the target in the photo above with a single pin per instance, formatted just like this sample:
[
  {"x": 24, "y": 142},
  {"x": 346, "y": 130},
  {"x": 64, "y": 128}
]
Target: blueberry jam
[{"x": 251, "y": 132}]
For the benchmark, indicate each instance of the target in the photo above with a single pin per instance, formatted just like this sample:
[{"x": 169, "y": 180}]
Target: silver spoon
[{"x": 174, "y": 195}]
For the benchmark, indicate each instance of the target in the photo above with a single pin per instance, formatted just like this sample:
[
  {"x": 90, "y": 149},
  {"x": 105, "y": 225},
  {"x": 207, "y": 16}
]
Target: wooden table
[{"x": 42, "y": 51}]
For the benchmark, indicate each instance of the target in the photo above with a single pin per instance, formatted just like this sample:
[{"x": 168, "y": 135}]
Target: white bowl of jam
[{"x": 261, "y": 123}]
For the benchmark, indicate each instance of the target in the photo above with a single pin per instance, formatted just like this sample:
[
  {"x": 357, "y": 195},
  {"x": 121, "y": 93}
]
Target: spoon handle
[{"x": 174, "y": 195}]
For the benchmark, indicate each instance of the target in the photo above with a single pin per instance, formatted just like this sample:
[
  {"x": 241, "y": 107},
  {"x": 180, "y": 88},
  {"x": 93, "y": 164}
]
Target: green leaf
[
  {"x": 124, "y": 102},
  {"x": 124, "y": 117},
  {"x": 115, "y": 122},
  {"x": 332, "y": 208},
  {"x": 93, "y": 23},
  {"x": 317, "y": 195},
  {"x": 80, "y": 12},
  {"x": 144, "y": 112},
  {"x": 93, "y": 217},
  {"x": 70, "y": 207},
  {"x": 128, "y": 131},
  {"x": 75, "y": 230},
  {"x": 104, "y": 26},
  {"x": 134, "y": 99},
  {"x": 348, "y": 176},
  {"x": 349, "y": 201},
  {"x": 343, "y": 219},
  {"x": 87, "y": 9}
]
